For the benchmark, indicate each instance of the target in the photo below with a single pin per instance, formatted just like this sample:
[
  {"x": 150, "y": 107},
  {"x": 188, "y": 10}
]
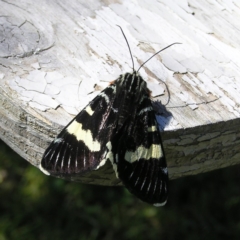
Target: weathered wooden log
[{"x": 56, "y": 56}]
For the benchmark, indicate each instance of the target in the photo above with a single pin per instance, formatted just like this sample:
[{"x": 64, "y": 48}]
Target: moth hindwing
[{"x": 118, "y": 125}]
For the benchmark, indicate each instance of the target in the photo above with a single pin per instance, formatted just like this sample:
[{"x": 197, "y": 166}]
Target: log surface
[{"x": 56, "y": 56}]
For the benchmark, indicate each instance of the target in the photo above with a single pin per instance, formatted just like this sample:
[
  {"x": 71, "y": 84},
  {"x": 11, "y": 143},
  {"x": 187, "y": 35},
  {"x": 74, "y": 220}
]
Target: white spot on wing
[
  {"x": 110, "y": 157},
  {"x": 84, "y": 161},
  {"x": 152, "y": 129},
  {"x": 58, "y": 140},
  {"x": 143, "y": 183},
  {"x": 46, "y": 153},
  {"x": 62, "y": 160},
  {"x": 159, "y": 204},
  {"x": 131, "y": 175},
  {"x": 115, "y": 110},
  {"x": 75, "y": 128},
  {"x": 104, "y": 96},
  {"x": 165, "y": 170},
  {"x": 136, "y": 182},
  {"x": 147, "y": 109},
  {"x": 109, "y": 154},
  {"x": 76, "y": 163},
  {"x": 57, "y": 158},
  {"x": 89, "y": 110},
  {"x": 150, "y": 183},
  {"x": 114, "y": 88},
  {"x": 69, "y": 161},
  {"x": 43, "y": 170},
  {"x": 101, "y": 163}
]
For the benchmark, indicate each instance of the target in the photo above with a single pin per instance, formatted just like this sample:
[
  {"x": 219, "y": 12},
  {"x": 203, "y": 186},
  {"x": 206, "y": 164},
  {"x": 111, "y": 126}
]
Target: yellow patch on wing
[
  {"x": 75, "y": 128},
  {"x": 89, "y": 110},
  {"x": 152, "y": 129},
  {"x": 155, "y": 151}
]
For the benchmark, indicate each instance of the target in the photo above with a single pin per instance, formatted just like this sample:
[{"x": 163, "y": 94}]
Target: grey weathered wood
[{"x": 57, "y": 55}]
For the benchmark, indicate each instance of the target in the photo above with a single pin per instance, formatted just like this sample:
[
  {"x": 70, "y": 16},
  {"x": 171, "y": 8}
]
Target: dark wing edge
[
  {"x": 81, "y": 145},
  {"x": 146, "y": 179}
]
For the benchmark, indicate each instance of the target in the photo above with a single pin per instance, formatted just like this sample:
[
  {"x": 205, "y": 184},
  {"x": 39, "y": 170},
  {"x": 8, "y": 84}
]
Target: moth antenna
[
  {"x": 168, "y": 92},
  {"x": 156, "y": 54},
  {"x": 128, "y": 47}
]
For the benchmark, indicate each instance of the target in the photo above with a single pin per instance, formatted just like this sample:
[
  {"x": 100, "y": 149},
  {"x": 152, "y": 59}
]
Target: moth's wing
[
  {"x": 81, "y": 145},
  {"x": 140, "y": 159}
]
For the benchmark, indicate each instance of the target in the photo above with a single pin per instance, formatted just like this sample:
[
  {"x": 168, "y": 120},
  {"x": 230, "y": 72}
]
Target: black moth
[{"x": 119, "y": 125}]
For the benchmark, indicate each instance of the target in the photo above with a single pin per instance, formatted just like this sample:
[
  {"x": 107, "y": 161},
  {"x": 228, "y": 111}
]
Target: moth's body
[{"x": 119, "y": 125}]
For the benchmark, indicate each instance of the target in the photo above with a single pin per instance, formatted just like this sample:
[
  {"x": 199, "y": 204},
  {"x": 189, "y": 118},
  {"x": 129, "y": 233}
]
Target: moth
[{"x": 119, "y": 125}]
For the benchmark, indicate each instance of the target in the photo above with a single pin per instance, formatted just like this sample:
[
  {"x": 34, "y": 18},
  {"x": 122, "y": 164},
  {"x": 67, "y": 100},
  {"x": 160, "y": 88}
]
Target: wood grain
[{"x": 56, "y": 56}]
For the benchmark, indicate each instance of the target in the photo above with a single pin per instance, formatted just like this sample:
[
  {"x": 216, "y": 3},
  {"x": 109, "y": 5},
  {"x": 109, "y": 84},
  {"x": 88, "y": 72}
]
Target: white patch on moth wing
[
  {"x": 165, "y": 170},
  {"x": 143, "y": 184},
  {"x": 150, "y": 183},
  {"x": 76, "y": 163},
  {"x": 48, "y": 153},
  {"x": 109, "y": 156},
  {"x": 75, "y": 128},
  {"x": 136, "y": 182},
  {"x": 147, "y": 109},
  {"x": 165, "y": 189},
  {"x": 58, "y": 140},
  {"x": 155, "y": 151},
  {"x": 159, "y": 204},
  {"x": 84, "y": 161},
  {"x": 132, "y": 81},
  {"x": 69, "y": 161},
  {"x": 57, "y": 158},
  {"x": 114, "y": 88},
  {"x": 105, "y": 96},
  {"x": 152, "y": 129},
  {"x": 63, "y": 158},
  {"x": 131, "y": 175},
  {"x": 124, "y": 78},
  {"x": 101, "y": 163},
  {"x": 115, "y": 169},
  {"x": 43, "y": 170},
  {"x": 115, "y": 110},
  {"x": 89, "y": 110}
]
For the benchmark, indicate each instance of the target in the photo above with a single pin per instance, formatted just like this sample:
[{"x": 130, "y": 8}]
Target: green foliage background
[{"x": 34, "y": 206}]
